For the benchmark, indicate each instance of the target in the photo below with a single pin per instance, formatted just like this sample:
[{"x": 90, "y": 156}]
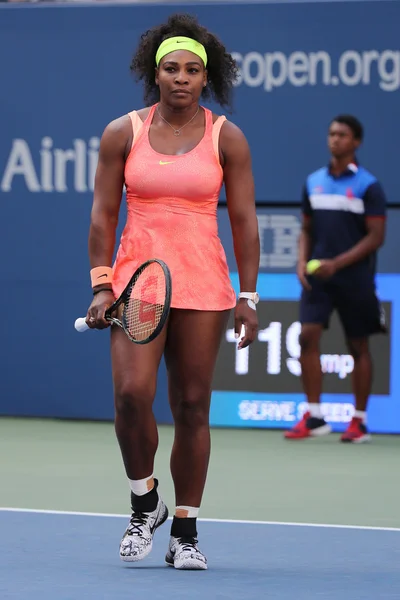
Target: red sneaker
[
  {"x": 356, "y": 432},
  {"x": 308, "y": 427}
]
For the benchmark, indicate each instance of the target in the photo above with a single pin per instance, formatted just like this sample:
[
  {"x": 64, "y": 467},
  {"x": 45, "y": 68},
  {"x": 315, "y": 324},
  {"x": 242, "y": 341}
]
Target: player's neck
[
  {"x": 338, "y": 165},
  {"x": 177, "y": 115}
]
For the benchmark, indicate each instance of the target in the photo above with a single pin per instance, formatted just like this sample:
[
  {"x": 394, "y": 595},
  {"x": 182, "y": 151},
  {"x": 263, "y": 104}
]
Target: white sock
[
  {"x": 361, "y": 414},
  {"x": 315, "y": 409},
  {"x": 140, "y": 487},
  {"x": 184, "y": 512}
]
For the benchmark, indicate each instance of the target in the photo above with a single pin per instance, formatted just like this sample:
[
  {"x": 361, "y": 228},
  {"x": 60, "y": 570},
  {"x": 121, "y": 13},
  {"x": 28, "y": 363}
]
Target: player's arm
[
  {"x": 375, "y": 211},
  {"x": 305, "y": 233},
  {"x": 304, "y": 251},
  {"x": 239, "y": 187},
  {"x": 108, "y": 187},
  {"x": 109, "y": 181}
]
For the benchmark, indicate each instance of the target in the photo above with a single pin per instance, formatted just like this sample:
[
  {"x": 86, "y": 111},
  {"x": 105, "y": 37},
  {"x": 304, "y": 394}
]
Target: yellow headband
[{"x": 181, "y": 43}]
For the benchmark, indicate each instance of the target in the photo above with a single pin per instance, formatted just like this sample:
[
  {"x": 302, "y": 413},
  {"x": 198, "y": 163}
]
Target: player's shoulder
[
  {"x": 118, "y": 132},
  {"x": 117, "y": 128},
  {"x": 317, "y": 178},
  {"x": 231, "y": 136},
  {"x": 228, "y": 127},
  {"x": 123, "y": 124},
  {"x": 365, "y": 176}
]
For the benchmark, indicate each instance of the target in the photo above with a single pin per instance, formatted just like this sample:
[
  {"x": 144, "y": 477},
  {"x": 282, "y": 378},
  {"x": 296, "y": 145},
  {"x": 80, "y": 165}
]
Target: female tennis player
[{"x": 174, "y": 156}]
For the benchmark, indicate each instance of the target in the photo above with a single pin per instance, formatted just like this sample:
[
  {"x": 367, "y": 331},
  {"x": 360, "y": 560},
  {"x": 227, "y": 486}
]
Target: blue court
[{"x": 75, "y": 557}]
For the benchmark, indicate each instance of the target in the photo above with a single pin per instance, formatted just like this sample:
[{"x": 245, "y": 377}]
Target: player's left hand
[
  {"x": 247, "y": 317},
  {"x": 326, "y": 270}
]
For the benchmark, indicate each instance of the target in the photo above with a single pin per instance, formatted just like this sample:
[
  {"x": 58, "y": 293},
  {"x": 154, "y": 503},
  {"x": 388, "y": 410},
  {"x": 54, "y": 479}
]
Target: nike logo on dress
[{"x": 168, "y": 162}]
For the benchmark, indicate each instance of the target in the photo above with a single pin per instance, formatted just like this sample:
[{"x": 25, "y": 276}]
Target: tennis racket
[{"x": 143, "y": 307}]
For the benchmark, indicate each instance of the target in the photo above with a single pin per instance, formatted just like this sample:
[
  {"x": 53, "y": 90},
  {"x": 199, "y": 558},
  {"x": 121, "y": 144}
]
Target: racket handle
[{"x": 81, "y": 325}]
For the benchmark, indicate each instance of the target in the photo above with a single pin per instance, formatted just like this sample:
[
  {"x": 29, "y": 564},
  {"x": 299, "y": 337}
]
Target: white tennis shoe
[
  {"x": 183, "y": 553},
  {"x": 137, "y": 541}
]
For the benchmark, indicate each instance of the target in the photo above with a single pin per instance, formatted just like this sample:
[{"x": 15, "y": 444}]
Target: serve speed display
[{"x": 271, "y": 364}]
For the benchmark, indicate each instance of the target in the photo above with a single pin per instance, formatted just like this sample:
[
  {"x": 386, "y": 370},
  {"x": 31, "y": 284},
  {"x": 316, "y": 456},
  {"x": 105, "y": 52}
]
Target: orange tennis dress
[{"x": 172, "y": 215}]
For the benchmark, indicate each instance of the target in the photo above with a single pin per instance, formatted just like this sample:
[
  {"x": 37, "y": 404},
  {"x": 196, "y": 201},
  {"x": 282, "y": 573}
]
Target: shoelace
[
  {"x": 137, "y": 522},
  {"x": 188, "y": 543}
]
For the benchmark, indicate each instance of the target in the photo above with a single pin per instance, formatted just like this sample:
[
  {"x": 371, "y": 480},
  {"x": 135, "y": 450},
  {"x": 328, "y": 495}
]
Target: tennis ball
[{"x": 312, "y": 266}]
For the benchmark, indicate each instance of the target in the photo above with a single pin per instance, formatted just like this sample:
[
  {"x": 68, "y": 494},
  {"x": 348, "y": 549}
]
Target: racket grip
[{"x": 81, "y": 325}]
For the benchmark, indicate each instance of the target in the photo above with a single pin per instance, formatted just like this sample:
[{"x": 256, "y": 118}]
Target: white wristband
[{"x": 251, "y": 297}]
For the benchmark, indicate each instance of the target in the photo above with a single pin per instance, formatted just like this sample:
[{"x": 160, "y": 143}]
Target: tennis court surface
[
  {"x": 51, "y": 549},
  {"x": 70, "y": 556}
]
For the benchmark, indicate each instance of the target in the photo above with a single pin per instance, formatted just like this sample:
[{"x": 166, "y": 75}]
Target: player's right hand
[
  {"x": 302, "y": 274},
  {"x": 96, "y": 311}
]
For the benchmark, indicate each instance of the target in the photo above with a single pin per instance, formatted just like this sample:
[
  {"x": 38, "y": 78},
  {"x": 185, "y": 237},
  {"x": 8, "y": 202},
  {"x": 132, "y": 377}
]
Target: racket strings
[{"x": 145, "y": 306}]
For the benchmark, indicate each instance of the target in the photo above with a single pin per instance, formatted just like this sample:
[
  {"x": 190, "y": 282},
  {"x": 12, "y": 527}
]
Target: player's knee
[
  {"x": 358, "y": 348},
  {"x": 192, "y": 406},
  {"x": 131, "y": 398},
  {"x": 309, "y": 340}
]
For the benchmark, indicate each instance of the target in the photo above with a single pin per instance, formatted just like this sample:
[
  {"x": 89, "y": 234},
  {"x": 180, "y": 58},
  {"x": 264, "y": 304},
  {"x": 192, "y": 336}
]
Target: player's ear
[
  {"x": 156, "y": 76},
  {"x": 205, "y": 77}
]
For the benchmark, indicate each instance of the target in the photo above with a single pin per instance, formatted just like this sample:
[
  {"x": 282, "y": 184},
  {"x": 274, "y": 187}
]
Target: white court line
[{"x": 232, "y": 521}]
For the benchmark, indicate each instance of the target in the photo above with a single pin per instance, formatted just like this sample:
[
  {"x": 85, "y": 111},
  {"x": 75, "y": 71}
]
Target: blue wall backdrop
[
  {"x": 64, "y": 74},
  {"x": 67, "y": 75}
]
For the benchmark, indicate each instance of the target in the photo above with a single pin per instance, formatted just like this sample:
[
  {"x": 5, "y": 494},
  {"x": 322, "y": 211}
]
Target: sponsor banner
[{"x": 69, "y": 76}]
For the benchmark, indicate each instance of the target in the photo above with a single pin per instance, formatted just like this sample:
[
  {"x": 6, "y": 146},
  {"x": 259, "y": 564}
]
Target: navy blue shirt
[{"x": 339, "y": 207}]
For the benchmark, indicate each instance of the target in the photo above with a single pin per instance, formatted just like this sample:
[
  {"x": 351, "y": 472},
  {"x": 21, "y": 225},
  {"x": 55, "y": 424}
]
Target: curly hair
[{"x": 222, "y": 70}]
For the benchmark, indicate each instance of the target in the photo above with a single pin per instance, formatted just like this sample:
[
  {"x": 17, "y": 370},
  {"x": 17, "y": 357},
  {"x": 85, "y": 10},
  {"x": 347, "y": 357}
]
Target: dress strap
[
  {"x": 138, "y": 125},
  {"x": 149, "y": 119},
  {"x": 216, "y": 130}
]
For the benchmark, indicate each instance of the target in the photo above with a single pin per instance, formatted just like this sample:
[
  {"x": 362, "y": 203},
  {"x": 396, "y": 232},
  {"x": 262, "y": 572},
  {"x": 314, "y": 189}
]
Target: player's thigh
[
  {"x": 316, "y": 306},
  {"x": 359, "y": 310},
  {"x": 191, "y": 351},
  {"x": 135, "y": 366}
]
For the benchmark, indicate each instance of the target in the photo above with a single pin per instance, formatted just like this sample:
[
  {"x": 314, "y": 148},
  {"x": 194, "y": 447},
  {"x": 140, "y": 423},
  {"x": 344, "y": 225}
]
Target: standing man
[{"x": 343, "y": 226}]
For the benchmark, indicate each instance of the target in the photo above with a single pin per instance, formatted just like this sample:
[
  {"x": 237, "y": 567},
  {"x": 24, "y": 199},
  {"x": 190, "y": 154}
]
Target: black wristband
[{"x": 101, "y": 290}]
